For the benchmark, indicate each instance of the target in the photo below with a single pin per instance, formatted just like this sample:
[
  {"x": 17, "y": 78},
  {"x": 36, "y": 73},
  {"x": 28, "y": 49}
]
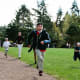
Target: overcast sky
[{"x": 8, "y": 8}]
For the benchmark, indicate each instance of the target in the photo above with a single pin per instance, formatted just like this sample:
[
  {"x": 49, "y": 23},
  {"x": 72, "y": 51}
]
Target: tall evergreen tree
[
  {"x": 22, "y": 22},
  {"x": 75, "y": 10},
  {"x": 12, "y": 31},
  {"x": 67, "y": 21},
  {"x": 2, "y": 34},
  {"x": 43, "y": 17},
  {"x": 23, "y": 18},
  {"x": 59, "y": 15}
]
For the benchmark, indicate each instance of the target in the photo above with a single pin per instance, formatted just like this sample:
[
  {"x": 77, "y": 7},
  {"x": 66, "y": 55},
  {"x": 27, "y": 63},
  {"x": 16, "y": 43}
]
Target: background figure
[
  {"x": 68, "y": 45},
  {"x": 0, "y": 43},
  {"x": 19, "y": 41},
  {"x": 77, "y": 51},
  {"x": 6, "y": 45}
]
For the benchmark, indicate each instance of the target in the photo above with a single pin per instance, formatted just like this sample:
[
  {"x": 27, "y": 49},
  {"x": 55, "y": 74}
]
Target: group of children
[
  {"x": 19, "y": 42},
  {"x": 39, "y": 39}
]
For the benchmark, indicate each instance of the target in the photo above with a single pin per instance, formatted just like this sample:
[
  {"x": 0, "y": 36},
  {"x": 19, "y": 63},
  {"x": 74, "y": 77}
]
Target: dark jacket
[
  {"x": 35, "y": 40},
  {"x": 19, "y": 40}
]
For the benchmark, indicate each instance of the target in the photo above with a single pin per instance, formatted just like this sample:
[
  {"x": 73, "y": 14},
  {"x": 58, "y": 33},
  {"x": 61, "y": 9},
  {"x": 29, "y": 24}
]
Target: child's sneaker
[
  {"x": 5, "y": 55},
  {"x": 40, "y": 73}
]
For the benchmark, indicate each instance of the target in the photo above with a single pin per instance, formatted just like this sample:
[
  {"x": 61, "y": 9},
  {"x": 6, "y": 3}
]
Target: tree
[
  {"x": 44, "y": 18},
  {"x": 66, "y": 22},
  {"x": 23, "y": 18},
  {"x": 59, "y": 21},
  {"x": 2, "y": 34},
  {"x": 72, "y": 24},
  {"x": 12, "y": 31},
  {"x": 73, "y": 32},
  {"x": 75, "y": 9},
  {"x": 22, "y": 23}
]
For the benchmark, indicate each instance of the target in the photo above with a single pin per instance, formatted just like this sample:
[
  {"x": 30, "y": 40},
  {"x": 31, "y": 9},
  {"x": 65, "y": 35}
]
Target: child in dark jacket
[
  {"x": 40, "y": 39},
  {"x": 77, "y": 51}
]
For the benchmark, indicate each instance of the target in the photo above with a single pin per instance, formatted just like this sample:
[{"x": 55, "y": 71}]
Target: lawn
[{"x": 58, "y": 62}]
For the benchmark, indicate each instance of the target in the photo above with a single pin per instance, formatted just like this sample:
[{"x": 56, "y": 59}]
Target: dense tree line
[{"x": 64, "y": 29}]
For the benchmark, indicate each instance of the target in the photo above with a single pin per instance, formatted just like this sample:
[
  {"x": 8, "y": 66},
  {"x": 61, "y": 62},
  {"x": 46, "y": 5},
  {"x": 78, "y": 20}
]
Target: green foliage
[
  {"x": 3, "y": 32},
  {"x": 12, "y": 31},
  {"x": 69, "y": 26},
  {"x": 22, "y": 23},
  {"x": 23, "y": 18},
  {"x": 58, "y": 21},
  {"x": 73, "y": 32},
  {"x": 67, "y": 20},
  {"x": 63, "y": 30},
  {"x": 43, "y": 17},
  {"x": 75, "y": 9}
]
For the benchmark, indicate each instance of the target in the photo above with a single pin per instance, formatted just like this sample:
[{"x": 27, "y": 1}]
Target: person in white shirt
[
  {"x": 6, "y": 45},
  {"x": 19, "y": 41}
]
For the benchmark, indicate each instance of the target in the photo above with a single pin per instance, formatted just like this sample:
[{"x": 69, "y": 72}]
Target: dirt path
[{"x": 14, "y": 69}]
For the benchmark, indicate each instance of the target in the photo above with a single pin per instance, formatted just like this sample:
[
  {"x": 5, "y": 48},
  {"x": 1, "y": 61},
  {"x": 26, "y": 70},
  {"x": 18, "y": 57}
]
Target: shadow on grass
[
  {"x": 29, "y": 65},
  {"x": 75, "y": 67}
]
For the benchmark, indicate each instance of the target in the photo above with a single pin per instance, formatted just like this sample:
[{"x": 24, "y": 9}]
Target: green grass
[{"x": 58, "y": 62}]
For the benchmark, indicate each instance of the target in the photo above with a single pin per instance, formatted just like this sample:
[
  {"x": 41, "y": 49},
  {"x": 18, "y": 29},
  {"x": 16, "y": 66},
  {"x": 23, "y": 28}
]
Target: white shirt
[{"x": 6, "y": 45}]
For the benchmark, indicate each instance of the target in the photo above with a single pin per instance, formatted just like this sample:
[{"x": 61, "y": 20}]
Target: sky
[{"x": 8, "y": 8}]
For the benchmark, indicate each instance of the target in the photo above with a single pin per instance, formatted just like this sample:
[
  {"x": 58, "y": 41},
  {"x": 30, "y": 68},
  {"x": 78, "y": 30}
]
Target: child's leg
[
  {"x": 40, "y": 56},
  {"x": 6, "y": 51},
  {"x": 19, "y": 50},
  {"x": 34, "y": 55},
  {"x": 42, "y": 59},
  {"x": 75, "y": 56},
  {"x": 79, "y": 56}
]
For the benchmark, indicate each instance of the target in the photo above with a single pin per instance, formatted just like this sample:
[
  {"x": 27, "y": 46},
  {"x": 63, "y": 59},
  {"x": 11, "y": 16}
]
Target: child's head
[
  {"x": 78, "y": 44},
  {"x": 6, "y": 39},
  {"x": 19, "y": 33},
  {"x": 39, "y": 27}
]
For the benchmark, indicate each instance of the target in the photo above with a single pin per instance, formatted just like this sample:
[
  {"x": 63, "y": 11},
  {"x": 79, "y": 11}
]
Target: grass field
[{"x": 58, "y": 62}]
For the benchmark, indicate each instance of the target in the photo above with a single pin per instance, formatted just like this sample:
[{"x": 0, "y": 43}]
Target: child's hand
[
  {"x": 42, "y": 42},
  {"x": 29, "y": 46}
]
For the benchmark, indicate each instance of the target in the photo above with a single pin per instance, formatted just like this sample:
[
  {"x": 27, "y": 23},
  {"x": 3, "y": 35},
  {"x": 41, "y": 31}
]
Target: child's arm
[
  {"x": 3, "y": 44},
  {"x": 76, "y": 50},
  {"x": 9, "y": 43},
  {"x": 48, "y": 40}
]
